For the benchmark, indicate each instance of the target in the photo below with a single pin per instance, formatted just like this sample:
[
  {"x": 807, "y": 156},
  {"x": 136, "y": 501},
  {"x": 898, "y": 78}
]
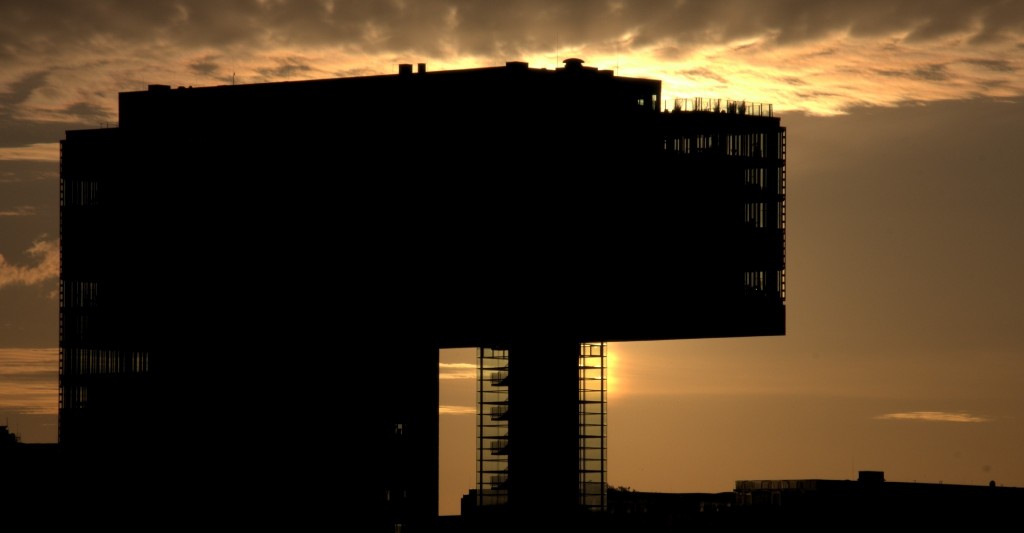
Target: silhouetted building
[
  {"x": 27, "y": 486},
  {"x": 870, "y": 499},
  {"x": 637, "y": 511},
  {"x": 292, "y": 255},
  {"x": 808, "y": 504},
  {"x": 497, "y": 450}
]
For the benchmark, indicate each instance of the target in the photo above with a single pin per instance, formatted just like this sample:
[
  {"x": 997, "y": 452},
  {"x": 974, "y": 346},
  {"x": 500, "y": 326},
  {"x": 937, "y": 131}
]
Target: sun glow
[{"x": 614, "y": 382}]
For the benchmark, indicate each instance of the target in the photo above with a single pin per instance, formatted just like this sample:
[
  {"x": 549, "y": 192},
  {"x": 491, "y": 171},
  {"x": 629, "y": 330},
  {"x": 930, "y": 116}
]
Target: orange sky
[{"x": 904, "y": 344}]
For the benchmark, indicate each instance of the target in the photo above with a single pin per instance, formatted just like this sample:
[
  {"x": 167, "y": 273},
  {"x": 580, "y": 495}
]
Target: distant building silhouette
[
  {"x": 806, "y": 504},
  {"x": 8, "y": 439},
  {"x": 870, "y": 499},
  {"x": 29, "y": 470},
  {"x": 293, "y": 255}
]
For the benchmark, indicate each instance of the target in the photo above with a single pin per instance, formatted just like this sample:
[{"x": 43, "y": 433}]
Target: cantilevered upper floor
[{"x": 459, "y": 206}]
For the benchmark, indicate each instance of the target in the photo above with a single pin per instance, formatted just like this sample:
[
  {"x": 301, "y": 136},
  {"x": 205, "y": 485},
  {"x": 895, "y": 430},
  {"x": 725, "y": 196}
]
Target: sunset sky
[{"x": 904, "y": 349}]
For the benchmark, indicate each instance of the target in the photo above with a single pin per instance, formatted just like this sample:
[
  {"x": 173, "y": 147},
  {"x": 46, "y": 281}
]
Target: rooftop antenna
[{"x": 232, "y": 78}]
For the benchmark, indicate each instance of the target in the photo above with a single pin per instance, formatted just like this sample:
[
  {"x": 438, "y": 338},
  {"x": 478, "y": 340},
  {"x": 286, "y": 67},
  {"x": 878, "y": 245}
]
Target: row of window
[
  {"x": 756, "y": 214},
  {"x": 755, "y": 145},
  {"x": 75, "y": 397},
  {"x": 89, "y": 361},
  {"x": 758, "y": 178},
  {"x": 79, "y": 294},
  {"x": 79, "y": 193},
  {"x": 763, "y": 282}
]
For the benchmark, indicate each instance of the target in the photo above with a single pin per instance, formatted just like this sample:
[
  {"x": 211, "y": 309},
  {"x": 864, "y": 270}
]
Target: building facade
[{"x": 269, "y": 270}]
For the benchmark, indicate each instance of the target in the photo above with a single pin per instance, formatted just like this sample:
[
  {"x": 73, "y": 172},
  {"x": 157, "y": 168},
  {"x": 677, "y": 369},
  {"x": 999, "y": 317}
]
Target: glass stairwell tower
[{"x": 495, "y": 446}]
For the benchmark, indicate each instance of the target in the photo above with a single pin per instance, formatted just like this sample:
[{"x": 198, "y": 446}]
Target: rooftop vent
[
  {"x": 871, "y": 476},
  {"x": 573, "y": 63}
]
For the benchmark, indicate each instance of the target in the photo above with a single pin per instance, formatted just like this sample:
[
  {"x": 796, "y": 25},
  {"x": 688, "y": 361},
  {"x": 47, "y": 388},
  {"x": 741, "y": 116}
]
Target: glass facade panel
[
  {"x": 593, "y": 423},
  {"x": 493, "y": 435}
]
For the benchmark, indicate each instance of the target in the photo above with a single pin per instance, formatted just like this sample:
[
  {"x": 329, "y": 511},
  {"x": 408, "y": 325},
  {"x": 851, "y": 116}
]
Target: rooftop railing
[{"x": 718, "y": 105}]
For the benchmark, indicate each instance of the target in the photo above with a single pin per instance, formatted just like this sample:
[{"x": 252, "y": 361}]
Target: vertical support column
[{"x": 544, "y": 424}]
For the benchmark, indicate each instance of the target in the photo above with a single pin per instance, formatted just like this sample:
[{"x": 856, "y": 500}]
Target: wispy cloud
[
  {"x": 456, "y": 410},
  {"x": 32, "y": 152},
  {"x": 933, "y": 416},
  {"x": 205, "y": 66},
  {"x": 20, "y": 211},
  {"x": 87, "y": 112},
  {"x": 28, "y": 380},
  {"x": 287, "y": 67},
  {"x": 457, "y": 371},
  {"x": 46, "y": 252}
]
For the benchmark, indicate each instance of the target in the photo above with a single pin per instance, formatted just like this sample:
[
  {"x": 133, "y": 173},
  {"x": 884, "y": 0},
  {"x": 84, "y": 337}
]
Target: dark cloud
[
  {"x": 995, "y": 65},
  {"x": 286, "y": 68},
  {"x": 206, "y": 66},
  {"x": 744, "y": 46},
  {"x": 703, "y": 73},
  {"x": 509, "y": 27},
  {"x": 21, "y": 89},
  {"x": 354, "y": 72},
  {"x": 668, "y": 53},
  {"x": 815, "y": 95},
  {"x": 888, "y": 73},
  {"x": 933, "y": 72},
  {"x": 87, "y": 112},
  {"x": 989, "y": 85},
  {"x": 999, "y": 20},
  {"x": 17, "y": 132}
]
